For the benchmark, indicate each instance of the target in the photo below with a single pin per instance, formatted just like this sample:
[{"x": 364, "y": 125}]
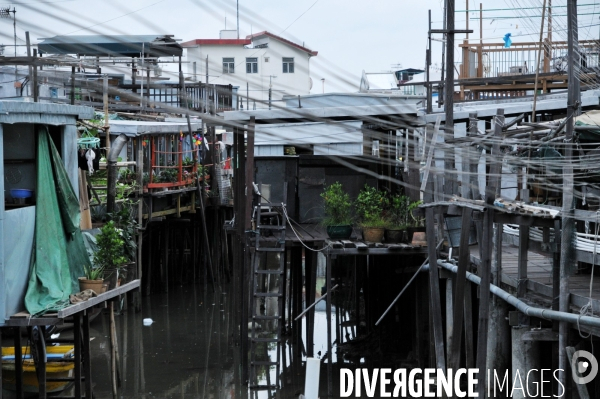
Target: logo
[{"x": 582, "y": 363}]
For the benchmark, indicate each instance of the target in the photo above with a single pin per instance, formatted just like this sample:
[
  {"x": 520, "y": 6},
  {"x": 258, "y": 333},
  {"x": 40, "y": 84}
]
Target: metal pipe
[
  {"x": 525, "y": 308},
  {"x": 314, "y": 303},
  {"x": 111, "y": 168}
]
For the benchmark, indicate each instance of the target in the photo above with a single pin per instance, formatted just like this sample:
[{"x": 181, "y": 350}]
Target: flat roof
[{"x": 112, "y": 45}]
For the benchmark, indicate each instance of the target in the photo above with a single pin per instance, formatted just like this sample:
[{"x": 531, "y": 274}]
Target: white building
[{"x": 259, "y": 62}]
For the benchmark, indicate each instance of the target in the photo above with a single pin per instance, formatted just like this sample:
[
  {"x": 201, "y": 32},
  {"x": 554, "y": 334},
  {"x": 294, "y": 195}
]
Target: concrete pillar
[{"x": 525, "y": 357}]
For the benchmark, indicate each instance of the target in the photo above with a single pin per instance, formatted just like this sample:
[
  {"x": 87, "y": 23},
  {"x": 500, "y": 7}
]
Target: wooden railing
[{"x": 489, "y": 60}]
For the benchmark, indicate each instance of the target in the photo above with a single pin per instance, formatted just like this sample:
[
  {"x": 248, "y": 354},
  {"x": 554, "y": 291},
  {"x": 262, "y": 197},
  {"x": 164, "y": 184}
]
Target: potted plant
[
  {"x": 93, "y": 279},
  {"x": 338, "y": 215},
  {"x": 398, "y": 217},
  {"x": 370, "y": 206},
  {"x": 110, "y": 255},
  {"x": 416, "y": 222}
]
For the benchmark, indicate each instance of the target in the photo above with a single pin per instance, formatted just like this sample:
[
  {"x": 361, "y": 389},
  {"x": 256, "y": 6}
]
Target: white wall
[{"x": 269, "y": 63}]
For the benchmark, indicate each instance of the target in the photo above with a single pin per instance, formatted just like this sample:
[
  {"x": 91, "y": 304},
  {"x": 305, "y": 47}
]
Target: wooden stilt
[
  {"x": 329, "y": 342},
  {"x": 486, "y": 248},
  {"x": 459, "y": 303},
  {"x": 434, "y": 289}
]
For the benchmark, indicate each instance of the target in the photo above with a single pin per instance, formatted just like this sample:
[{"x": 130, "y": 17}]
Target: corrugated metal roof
[
  {"x": 139, "y": 128},
  {"x": 112, "y": 45},
  {"x": 28, "y": 112}
]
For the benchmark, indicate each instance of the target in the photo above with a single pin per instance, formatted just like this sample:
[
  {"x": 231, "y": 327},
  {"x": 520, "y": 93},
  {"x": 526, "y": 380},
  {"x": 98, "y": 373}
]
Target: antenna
[{"x": 237, "y": 3}]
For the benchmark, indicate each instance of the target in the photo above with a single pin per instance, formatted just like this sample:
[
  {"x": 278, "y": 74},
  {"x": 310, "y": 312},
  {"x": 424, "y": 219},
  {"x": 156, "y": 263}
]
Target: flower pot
[
  {"x": 395, "y": 235},
  {"x": 96, "y": 285},
  {"x": 339, "y": 232},
  {"x": 111, "y": 276},
  {"x": 412, "y": 230},
  {"x": 373, "y": 234}
]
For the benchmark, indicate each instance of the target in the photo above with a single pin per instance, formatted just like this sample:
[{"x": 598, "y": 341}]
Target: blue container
[{"x": 21, "y": 193}]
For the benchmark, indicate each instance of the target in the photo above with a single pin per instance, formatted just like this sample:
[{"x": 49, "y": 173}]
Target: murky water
[{"x": 189, "y": 350}]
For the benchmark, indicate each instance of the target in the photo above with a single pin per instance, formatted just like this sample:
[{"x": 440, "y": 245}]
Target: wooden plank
[
  {"x": 544, "y": 334},
  {"x": 347, "y": 244},
  {"x": 78, "y": 307},
  {"x": 361, "y": 246}
]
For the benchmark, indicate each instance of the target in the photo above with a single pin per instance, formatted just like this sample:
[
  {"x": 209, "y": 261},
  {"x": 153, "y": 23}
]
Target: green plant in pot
[
  {"x": 338, "y": 211},
  {"x": 416, "y": 221},
  {"x": 93, "y": 279},
  {"x": 110, "y": 255},
  {"x": 399, "y": 218},
  {"x": 370, "y": 206}
]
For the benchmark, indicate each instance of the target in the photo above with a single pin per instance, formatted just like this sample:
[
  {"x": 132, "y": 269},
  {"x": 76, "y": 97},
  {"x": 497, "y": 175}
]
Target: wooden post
[
  {"x": 35, "y": 79},
  {"x": 473, "y": 159},
  {"x": 461, "y": 277},
  {"x": 434, "y": 288},
  {"x": 567, "y": 258},
  {"x": 329, "y": 343},
  {"x": 486, "y": 249}
]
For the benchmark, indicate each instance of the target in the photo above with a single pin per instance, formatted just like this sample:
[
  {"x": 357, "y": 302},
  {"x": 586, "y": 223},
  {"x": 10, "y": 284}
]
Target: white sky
[{"x": 350, "y": 36}]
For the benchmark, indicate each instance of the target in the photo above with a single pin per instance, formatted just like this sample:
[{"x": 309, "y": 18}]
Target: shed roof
[{"x": 112, "y": 45}]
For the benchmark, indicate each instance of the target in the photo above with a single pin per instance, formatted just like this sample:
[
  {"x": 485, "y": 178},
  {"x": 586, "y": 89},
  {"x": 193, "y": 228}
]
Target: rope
[{"x": 299, "y": 239}]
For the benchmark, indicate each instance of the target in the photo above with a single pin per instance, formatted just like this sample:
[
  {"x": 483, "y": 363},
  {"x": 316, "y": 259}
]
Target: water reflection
[{"x": 189, "y": 350}]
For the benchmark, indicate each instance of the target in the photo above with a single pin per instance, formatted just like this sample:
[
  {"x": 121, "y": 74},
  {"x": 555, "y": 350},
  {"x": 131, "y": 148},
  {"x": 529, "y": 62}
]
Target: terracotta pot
[
  {"x": 339, "y": 232},
  {"x": 412, "y": 230},
  {"x": 373, "y": 234},
  {"x": 96, "y": 285}
]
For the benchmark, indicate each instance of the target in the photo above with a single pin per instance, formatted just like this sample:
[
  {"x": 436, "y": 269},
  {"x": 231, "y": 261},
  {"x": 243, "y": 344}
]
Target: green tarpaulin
[{"x": 59, "y": 253}]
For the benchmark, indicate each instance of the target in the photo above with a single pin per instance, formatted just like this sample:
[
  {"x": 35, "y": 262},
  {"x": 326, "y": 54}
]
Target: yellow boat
[{"x": 55, "y": 368}]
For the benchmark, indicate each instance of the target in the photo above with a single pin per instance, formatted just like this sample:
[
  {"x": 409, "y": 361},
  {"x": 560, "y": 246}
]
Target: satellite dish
[{"x": 310, "y": 83}]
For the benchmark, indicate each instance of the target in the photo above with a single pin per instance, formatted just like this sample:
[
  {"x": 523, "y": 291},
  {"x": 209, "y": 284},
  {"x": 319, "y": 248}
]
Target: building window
[
  {"x": 288, "y": 65},
  {"x": 251, "y": 65},
  {"x": 228, "y": 65}
]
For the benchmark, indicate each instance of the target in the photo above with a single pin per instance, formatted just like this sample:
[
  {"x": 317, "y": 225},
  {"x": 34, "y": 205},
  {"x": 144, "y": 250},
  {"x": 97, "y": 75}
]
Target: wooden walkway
[{"x": 539, "y": 274}]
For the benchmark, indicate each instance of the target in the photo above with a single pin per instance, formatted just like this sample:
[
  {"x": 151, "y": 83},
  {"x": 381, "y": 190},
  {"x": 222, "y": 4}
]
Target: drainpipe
[
  {"x": 525, "y": 308},
  {"x": 111, "y": 167}
]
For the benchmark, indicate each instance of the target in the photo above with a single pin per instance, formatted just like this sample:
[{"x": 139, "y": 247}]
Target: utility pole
[
  {"x": 441, "y": 88},
  {"x": 567, "y": 258},
  {"x": 449, "y": 31},
  {"x": 270, "y": 88},
  {"x": 428, "y": 62},
  {"x": 5, "y": 13}
]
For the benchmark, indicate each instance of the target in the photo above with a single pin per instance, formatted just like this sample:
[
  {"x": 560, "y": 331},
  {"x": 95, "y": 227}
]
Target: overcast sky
[{"x": 350, "y": 36}]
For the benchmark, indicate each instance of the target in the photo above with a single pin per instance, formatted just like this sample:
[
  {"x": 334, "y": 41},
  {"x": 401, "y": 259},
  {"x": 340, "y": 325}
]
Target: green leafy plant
[
  {"x": 169, "y": 176},
  {"x": 124, "y": 219},
  {"x": 93, "y": 273},
  {"x": 370, "y": 206},
  {"x": 398, "y": 214},
  {"x": 338, "y": 206},
  {"x": 111, "y": 250},
  {"x": 187, "y": 161},
  {"x": 416, "y": 221}
]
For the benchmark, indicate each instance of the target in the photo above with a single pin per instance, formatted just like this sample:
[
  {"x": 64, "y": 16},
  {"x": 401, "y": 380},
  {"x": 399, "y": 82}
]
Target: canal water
[{"x": 189, "y": 352}]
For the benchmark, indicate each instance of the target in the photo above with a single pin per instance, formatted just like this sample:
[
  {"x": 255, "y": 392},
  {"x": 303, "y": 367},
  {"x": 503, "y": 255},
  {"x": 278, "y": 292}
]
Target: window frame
[
  {"x": 228, "y": 65},
  {"x": 287, "y": 65},
  {"x": 251, "y": 64}
]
